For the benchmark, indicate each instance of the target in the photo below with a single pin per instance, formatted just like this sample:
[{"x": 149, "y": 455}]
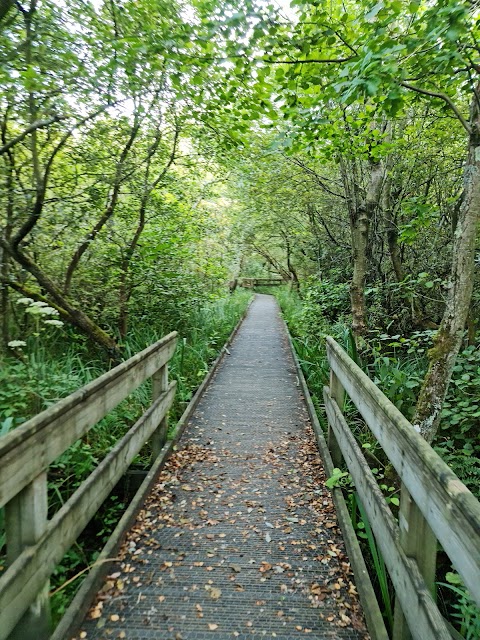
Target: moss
[{"x": 442, "y": 345}]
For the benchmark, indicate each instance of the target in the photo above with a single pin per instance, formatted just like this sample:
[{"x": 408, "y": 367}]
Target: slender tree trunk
[
  {"x": 391, "y": 228},
  {"x": 360, "y": 220},
  {"x": 4, "y": 255},
  {"x": 125, "y": 291},
  {"x": 294, "y": 282},
  {"x": 4, "y": 310},
  {"x": 449, "y": 337}
]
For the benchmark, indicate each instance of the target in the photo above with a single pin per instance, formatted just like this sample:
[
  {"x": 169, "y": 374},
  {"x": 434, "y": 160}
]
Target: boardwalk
[{"x": 238, "y": 538}]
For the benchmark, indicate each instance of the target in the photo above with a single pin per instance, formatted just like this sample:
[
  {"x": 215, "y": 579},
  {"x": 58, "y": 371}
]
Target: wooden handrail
[
  {"x": 34, "y": 544},
  {"x": 32, "y": 447},
  {"x": 260, "y": 282},
  {"x": 451, "y": 510}
]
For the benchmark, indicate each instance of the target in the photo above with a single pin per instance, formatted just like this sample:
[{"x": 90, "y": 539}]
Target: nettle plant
[{"x": 43, "y": 317}]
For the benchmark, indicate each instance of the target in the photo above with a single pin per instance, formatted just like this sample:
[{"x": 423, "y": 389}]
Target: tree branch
[
  {"x": 441, "y": 96},
  {"x": 40, "y": 199},
  {"x": 39, "y": 124}
]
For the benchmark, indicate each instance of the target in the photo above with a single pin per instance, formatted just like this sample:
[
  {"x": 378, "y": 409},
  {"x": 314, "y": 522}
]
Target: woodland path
[{"x": 238, "y": 538}]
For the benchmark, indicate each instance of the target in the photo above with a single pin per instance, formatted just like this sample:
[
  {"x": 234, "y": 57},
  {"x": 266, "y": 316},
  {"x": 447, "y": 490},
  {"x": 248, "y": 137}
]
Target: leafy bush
[{"x": 327, "y": 300}]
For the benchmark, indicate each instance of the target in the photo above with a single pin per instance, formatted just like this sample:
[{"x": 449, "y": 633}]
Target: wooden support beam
[
  {"x": 419, "y": 543},
  {"x": 25, "y": 523},
  {"x": 337, "y": 392},
  {"x": 159, "y": 386}
]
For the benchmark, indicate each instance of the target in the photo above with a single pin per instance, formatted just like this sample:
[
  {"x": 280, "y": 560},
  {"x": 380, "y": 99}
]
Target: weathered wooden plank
[
  {"x": 159, "y": 386},
  {"x": 424, "y": 619},
  {"x": 29, "y": 449},
  {"x": 449, "y": 507},
  {"x": 25, "y": 524},
  {"x": 22, "y": 581},
  {"x": 338, "y": 394}
]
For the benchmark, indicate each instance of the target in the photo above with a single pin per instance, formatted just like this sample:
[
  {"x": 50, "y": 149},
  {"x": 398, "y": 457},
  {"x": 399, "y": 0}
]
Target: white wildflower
[
  {"x": 39, "y": 303},
  {"x": 54, "y": 323},
  {"x": 42, "y": 311},
  {"x": 17, "y": 344},
  {"x": 24, "y": 301},
  {"x": 49, "y": 311}
]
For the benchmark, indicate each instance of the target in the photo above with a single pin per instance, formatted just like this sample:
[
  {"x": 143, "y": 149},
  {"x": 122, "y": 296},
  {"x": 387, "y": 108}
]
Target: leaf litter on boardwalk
[{"x": 176, "y": 488}]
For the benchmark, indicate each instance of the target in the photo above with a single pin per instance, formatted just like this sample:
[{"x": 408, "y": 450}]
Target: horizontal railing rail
[
  {"x": 35, "y": 545},
  {"x": 435, "y": 504},
  {"x": 260, "y": 282}
]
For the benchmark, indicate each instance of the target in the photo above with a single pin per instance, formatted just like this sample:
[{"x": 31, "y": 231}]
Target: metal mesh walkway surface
[{"x": 238, "y": 539}]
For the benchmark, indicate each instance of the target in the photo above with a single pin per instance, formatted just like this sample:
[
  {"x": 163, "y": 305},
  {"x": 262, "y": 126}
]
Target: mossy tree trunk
[{"x": 449, "y": 338}]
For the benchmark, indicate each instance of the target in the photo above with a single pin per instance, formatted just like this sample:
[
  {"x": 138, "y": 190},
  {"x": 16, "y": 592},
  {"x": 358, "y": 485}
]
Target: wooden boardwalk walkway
[{"x": 239, "y": 537}]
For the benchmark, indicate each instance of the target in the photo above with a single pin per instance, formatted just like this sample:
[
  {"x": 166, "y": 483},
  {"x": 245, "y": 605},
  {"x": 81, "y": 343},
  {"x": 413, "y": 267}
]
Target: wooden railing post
[
  {"x": 420, "y": 544},
  {"x": 337, "y": 392},
  {"x": 159, "y": 386},
  {"x": 25, "y": 523}
]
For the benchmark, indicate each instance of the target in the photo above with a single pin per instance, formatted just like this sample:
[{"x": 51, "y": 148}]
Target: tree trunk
[
  {"x": 125, "y": 290},
  {"x": 391, "y": 230},
  {"x": 448, "y": 340},
  {"x": 4, "y": 255},
  {"x": 4, "y": 311},
  {"x": 360, "y": 219},
  {"x": 294, "y": 282},
  {"x": 390, "y": 216}
]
